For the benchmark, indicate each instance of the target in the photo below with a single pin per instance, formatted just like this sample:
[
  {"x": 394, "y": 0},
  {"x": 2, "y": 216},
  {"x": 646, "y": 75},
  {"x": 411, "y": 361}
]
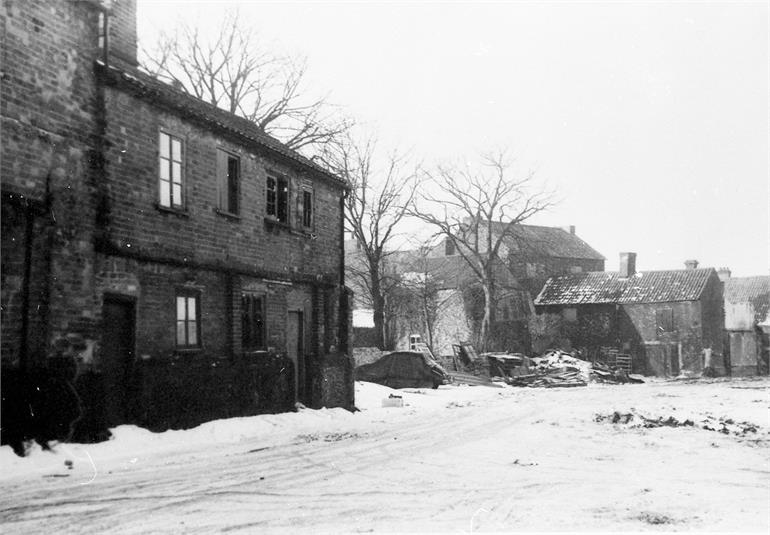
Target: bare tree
[
  {"x": 424, "y": 289},
  {"x": 377, "y": 203},
  {"x": 477, "y": 210},
  {"x": 232, "y": 70}
]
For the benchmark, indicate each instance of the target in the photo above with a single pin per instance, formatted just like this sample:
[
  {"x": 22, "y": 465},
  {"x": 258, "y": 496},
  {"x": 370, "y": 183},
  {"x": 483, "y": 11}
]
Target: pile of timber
[
  {"x": 549, "y": 379},
  {"x": 560, "y": 369}
]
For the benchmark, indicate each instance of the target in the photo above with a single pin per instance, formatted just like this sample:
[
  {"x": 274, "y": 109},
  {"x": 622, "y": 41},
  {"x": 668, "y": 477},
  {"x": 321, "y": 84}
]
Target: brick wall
[
  {"x": 200, "y": 232},
  {"x": 48, "y": 113}
]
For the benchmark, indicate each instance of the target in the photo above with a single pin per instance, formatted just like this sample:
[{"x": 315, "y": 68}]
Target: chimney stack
[
  {"x": 691, "y": 264},
  {"x": 627, "y": 265},
  {"x": 724, "y": 273}
]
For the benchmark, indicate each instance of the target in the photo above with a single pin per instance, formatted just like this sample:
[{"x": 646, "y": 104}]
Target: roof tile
[{"x": 604, "y": 287}]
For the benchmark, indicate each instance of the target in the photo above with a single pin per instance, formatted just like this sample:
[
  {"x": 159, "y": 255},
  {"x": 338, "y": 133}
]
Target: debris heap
[{"x": 559, "y": 369}]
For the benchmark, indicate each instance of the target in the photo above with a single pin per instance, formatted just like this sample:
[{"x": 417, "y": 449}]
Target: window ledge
[
  {"x": 273, "y": 222},
  {"x": 187, "y": 350},
  {"x": 180, "y": 212},
  {"x": 228, "y": 215}
]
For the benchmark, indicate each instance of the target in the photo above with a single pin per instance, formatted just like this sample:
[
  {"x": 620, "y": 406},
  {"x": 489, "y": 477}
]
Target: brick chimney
[
  {"x": 627, "y": 265},
  {"x": 691, "y": 264},
  {"x": 122, "y": 29},
  {"x": 570, "y": 229},
  {"x": 724, "y": 273}
]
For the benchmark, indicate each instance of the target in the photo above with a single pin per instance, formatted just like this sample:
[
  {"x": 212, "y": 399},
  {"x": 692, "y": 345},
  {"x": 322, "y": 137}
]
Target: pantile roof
[
  {"x": 548, "y": 241},
  {"x": 605, "y": 287},
  {"x": 754, "y": 290},
  {"x": 165, "y": 95}
]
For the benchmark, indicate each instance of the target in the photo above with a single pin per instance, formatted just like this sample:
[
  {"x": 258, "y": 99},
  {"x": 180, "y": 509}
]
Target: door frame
[
  {"x": 300, "y": 370},
  {"x": 131, "y": 301}
]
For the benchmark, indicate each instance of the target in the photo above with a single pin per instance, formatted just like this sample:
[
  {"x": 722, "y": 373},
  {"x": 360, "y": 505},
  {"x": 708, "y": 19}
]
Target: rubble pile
[{"x": 560, "y": 369}]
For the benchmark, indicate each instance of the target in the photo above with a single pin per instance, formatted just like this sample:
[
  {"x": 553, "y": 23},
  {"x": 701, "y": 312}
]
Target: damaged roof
[
  {"x": 607, "y": 287},
  {"x": 754, "y": 290},
  {"x": 164, "y": 95},
  {"x": 548, "y": 241}
]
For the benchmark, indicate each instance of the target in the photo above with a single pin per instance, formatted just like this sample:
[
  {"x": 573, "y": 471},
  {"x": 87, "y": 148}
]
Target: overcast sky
[{"x": 650, "y": 119}]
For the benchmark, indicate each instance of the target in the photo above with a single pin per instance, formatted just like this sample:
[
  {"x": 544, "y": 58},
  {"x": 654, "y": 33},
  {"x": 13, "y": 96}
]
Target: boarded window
[
  {"x": 228, "y": 178},
  {"x": 187, "y": 319},
  {"x": 570, "y": 314},
  {"x": 664, "y": 318},
  {"x": 252, "y": 322},
  {"x": 170, "y": 171}
]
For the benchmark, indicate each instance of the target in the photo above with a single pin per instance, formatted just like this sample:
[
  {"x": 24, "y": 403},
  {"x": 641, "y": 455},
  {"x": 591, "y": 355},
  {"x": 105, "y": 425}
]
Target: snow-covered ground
[{"x": 456, "y": 459}]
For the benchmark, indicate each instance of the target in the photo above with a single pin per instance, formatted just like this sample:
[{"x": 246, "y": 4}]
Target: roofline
[{"x": 119, "y": 78}]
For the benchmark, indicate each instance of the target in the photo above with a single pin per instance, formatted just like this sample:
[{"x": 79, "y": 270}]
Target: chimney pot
[
  {"x": 691, "y": 264},
  {"x": 627, "y": 265},
  {"x": 724, "y": 273}
]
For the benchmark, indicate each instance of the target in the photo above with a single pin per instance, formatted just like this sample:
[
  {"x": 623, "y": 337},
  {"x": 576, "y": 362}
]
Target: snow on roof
[{"x": 608, "y": 287}]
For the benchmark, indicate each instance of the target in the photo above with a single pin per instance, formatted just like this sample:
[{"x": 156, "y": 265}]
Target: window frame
[
  {"x": 664, "y": 318},
  {"x": 247, "y": 316},
  {"x": 278, "y": 203},
  {"x": 187, "y": 294},
  {"x": 228, "y": 190},
  {"x": 308, "y": 212},
  {"x": 167, "y": 162}
]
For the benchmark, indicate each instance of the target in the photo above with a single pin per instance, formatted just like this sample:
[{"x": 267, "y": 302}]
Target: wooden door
[{"x": 117, "y": 356}]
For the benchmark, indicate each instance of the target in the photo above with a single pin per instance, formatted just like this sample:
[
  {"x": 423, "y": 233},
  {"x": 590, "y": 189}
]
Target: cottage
[
  {"x": 747, "y": 303},
  {"x": 668, "y": 321},
  {"x": 198, "y": 262}
]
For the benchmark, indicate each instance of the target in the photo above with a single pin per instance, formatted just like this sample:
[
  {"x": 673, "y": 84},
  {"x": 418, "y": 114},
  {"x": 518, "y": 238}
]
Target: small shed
[
  {"x": 746, "y": 303},
  {"x": 669, "y": 321}
]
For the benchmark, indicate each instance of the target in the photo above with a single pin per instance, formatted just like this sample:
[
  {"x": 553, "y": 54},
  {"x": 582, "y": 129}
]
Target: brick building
[
  {"x": 747, "y": 304},
  {"x": 663, "y": 319},
  {"x": 178, "y": 248}
]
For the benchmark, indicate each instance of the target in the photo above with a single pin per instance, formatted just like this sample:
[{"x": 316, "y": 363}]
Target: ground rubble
[{"x": 560, "y": 369}]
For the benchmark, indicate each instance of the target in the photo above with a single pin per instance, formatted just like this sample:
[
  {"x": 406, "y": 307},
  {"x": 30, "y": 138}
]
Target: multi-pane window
[
  {"x": 228, "y": 177},
  {"x": 307, "y": 208},
  {"x": 187, "y": 322},
  {"x": 170, "y": 171},
  {"x": 278, "y": 198},
  {"x": 252, "y": 322}
]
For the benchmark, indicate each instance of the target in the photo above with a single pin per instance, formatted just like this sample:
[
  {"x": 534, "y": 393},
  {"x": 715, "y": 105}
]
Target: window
[
  {"x": 278, "y": 198},
  {"x": 570, "y": 314},
  {"x": 228, "y": 177},
  {"x": 252, "y": 322},
  {"x": 664, "y": 318},
  {"x": 449, "y": 247},
  {"x": 170, "y": 171},
  {"x": 187, "y": 324},
  {"x": 307, "y": 208}
]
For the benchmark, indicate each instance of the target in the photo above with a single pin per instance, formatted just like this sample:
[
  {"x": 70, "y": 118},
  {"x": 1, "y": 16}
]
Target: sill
[
  {"x": 272, "y": 222},
  {"x": 180, "y": 212},
  {"x": 228, "y": 215},
  {"x": 187, "y": 350}
]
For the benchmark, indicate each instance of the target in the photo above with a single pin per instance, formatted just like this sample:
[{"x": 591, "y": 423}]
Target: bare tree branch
[
  {"x": 234, "y": 71},
  {"x": 478, "y": 211}
]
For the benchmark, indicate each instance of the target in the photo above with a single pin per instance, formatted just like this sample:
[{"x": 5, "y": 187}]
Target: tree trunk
[
  {"x": 378, "y": 311},
  {"x": 485, "y": 335}
]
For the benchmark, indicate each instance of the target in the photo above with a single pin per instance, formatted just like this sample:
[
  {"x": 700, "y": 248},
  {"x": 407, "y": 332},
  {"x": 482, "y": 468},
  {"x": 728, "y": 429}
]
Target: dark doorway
[
  {"x": 117, "y": 357},
  {"x": 295, "y": 347}
]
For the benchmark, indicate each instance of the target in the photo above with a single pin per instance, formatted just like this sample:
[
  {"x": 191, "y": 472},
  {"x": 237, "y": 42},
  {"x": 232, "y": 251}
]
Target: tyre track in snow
[
  {"x": 411, "y": 473},
  {"x": 289, "y": 469}
]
